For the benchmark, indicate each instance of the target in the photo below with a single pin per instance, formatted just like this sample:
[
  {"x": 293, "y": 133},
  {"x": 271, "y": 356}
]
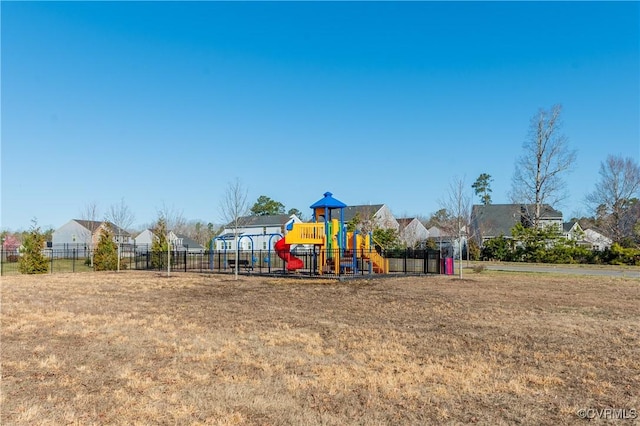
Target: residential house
[
  {"x": 494, "y": 220},
  {"x": 597, "y": 240},
  {"x": 412, "y": 232},
  {"x": 144, "y": 240},
  {"x": 255, "y": 232},
  {"x": 85, "y": 234},
  {"x": 179, "y": 242},
  {"x": 447, "y": 243},
  {"x": 371, "y": 216},
  {"x": 572, "y": 231}
]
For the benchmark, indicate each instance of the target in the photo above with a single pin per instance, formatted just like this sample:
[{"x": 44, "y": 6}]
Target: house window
[
  {"x": 249, "y": 246},
  {"x": 264, "y": 245}
]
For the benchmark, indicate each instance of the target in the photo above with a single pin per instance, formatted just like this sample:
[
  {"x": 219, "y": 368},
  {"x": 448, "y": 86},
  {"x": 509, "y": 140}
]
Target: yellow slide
[{"x": 380, "y": 264}]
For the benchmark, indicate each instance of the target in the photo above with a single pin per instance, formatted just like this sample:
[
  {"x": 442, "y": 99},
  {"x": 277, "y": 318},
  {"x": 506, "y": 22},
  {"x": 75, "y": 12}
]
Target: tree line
[{"x": 538, "y": 180}]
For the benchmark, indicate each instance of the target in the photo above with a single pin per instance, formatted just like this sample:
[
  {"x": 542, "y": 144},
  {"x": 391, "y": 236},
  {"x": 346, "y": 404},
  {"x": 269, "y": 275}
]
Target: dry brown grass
[{"x": 139, "y": 348}]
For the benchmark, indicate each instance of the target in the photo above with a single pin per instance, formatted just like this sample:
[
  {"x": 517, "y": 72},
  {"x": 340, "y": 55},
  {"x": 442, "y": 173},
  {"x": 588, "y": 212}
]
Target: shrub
[
  {"x": 32, "y": 260},
  {"x": 160, "y": 245},
  {"x": 624, "y": 256},
  {"x": 479, "y": 268},
  {"x": 496, "y": 249},
  {"x": 105, "y": 257}
]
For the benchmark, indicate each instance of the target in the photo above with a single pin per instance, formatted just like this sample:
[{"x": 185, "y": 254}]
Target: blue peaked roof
[{"x": 328, "y": 201}]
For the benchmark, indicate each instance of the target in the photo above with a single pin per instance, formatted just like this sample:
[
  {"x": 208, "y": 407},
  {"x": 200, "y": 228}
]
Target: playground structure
[{"x": 334, "y": 249}]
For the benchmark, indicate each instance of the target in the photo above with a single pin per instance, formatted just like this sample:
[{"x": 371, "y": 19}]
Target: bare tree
[
  {"x": 615, "y": 196},
  {"x": 538, "y": 176},
  {"x": 90, "y": 214},
  {"x": 233, "y": 206},
  {"x": 122, "y": 217},
  {"x": 458, "y": 206},
  {"x": 174, "y": 218}
]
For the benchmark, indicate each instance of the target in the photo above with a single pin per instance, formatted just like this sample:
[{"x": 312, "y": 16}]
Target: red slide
[{"x": 283, "y": 251}]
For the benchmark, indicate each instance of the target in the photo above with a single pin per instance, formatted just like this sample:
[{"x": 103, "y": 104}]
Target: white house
[
  {"x": 572, "y": 231},
  {"x": 144, "y": 239},
  {"x": 371, "y": 216},
  {"x": 179, "y": 242},
  {"x": 412, "y": 231},
  {"x": 448, "y": 244},
  {"x": 597, "y": 240},
  {"x": 255, "y": 232}
]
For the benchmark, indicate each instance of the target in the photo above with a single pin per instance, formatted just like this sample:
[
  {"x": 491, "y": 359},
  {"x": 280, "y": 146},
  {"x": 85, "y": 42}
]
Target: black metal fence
[{"x": 306, "y": 262}]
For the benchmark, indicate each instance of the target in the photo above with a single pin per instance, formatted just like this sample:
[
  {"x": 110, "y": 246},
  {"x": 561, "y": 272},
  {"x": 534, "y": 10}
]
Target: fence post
[
  {"x": 185, "y": 260},
  {"x": 73, "y": 261}
]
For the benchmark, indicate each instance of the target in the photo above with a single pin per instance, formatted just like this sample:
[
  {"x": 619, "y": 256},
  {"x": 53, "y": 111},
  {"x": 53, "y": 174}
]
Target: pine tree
[
  {"x": 105, "y": 257},
  {"x": 160, "y": 245},
  {"x": 32, "y": 261},
  {"x": 482, "y": 187}
]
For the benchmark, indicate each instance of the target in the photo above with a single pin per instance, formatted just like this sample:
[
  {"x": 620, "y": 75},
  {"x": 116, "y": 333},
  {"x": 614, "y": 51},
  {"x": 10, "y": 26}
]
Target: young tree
[
  {"x": 440, "y": 219},
  {"x": 122, "y": 217},
  {"x": 90, "y": 213},
  {"x": 174, "y": 219},
  {"x": 482, "y": 187},
  {"x": 538, "y": 177},
  {"x": 615, "y": 195},
  {"x": 265, "y": 206},
  {"x": 105, "y": 257},
  {"x": 10, "y": 243},
  {"x": 32, "y": 260},
  {"x": 232, "y": 208},
  {"x": 160, "y": 245},
  {"x": 388, "y": 238},
  {"x": 458, "y": 206}
]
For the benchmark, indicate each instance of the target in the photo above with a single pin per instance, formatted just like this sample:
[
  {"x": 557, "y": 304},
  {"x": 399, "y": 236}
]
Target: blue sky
[{"x": 167, "y": 103}]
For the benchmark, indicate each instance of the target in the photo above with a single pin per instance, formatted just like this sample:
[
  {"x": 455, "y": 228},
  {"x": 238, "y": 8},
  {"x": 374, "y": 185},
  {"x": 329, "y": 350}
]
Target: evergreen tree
[
  {"x": 482, "y": 187},
  {"x": 105, "y": 257},
  {"x": 296, "y": 212},
  {"x": 32, "y": 261},
  {"x": 266, "y": 206},
  {"x": 387, "y": 237},
  {"x": 160, "y": 245}
]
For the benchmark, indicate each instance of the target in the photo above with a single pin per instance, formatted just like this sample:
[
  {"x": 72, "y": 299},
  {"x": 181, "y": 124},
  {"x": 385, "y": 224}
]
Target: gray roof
[
  {"x": 188, "y": 242},
  {"x": 260, "y": 221},
  {"x": 93, "y": 225},
  {"x": 403, "y": 222},
  {"x": 493, "y": 220},
  {"x": 365, "y": 211}
]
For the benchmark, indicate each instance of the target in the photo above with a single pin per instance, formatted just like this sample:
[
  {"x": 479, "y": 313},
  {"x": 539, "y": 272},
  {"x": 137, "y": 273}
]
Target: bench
[{"x": 242, "y": 263}]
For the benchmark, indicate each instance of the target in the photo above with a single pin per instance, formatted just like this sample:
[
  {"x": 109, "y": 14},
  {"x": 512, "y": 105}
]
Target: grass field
[{"x": 493, "y": 348}]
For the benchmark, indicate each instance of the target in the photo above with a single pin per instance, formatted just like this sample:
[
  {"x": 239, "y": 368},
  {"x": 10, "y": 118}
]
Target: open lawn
[{"x": 493, "y": 348}]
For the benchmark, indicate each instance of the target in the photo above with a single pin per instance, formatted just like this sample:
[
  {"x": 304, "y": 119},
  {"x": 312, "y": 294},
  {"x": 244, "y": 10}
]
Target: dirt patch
[{"x": 494, "y": 348}]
